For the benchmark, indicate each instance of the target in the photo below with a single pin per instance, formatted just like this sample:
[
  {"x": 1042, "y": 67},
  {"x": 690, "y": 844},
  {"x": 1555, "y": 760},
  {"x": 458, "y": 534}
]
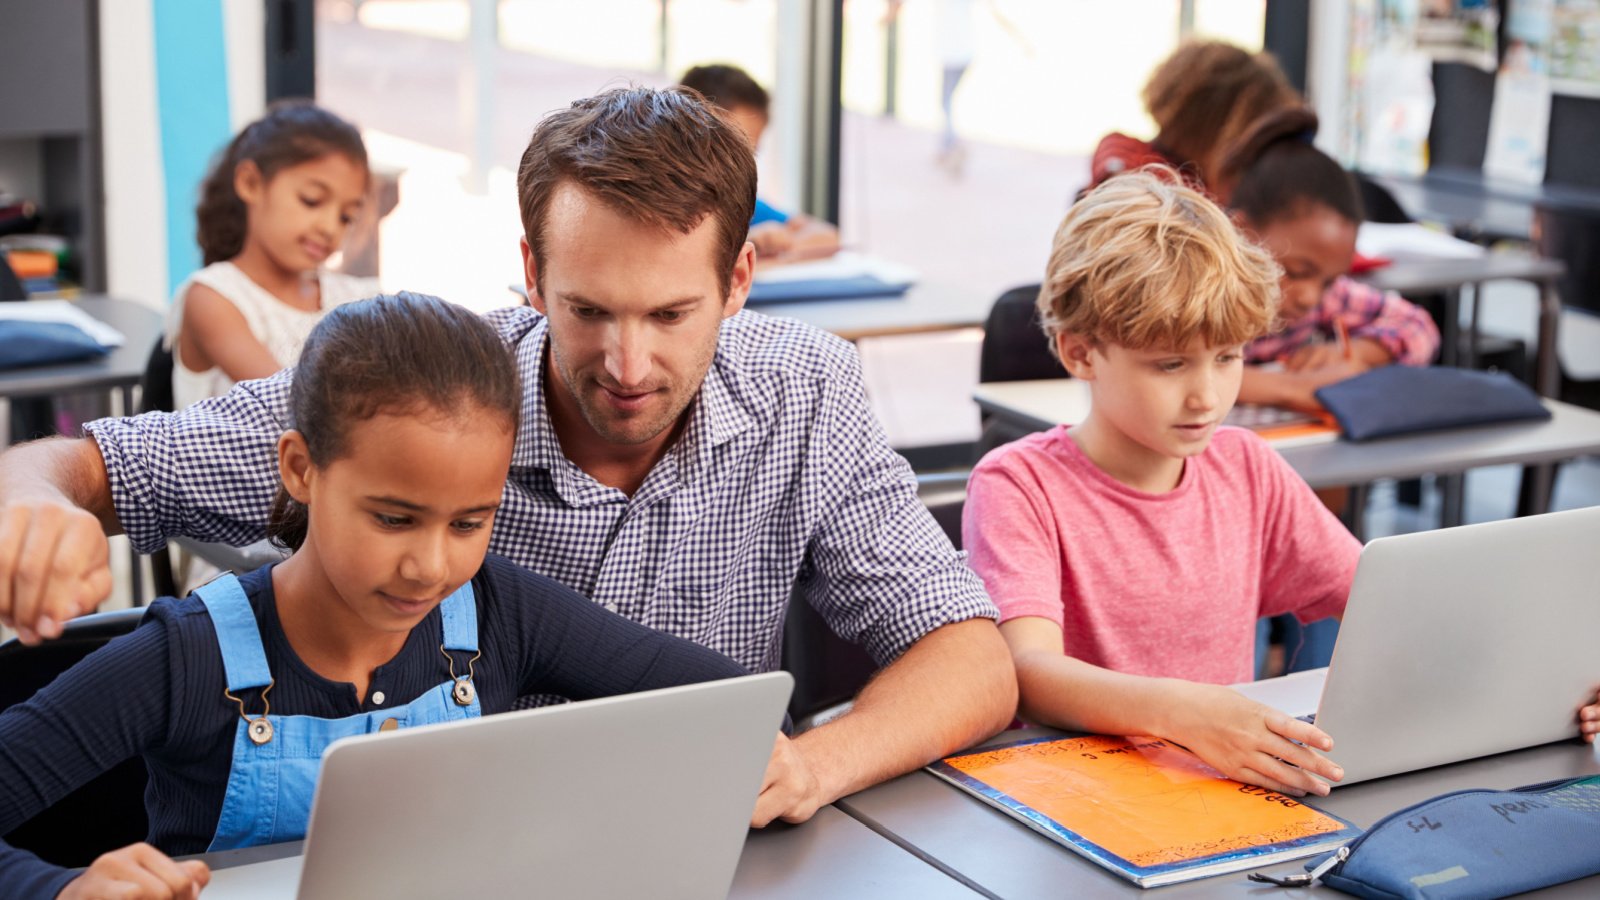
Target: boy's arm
[
  {"x": 1238, "y": 737},
  {"x": 55, "y": 511}
]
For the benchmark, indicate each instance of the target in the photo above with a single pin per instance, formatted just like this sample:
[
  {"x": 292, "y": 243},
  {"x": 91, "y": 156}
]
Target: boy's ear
[
  {"x": 294, "y": 465},
  {"x": 1076, "y": 353},
  {"x": 248, "y": 182}
]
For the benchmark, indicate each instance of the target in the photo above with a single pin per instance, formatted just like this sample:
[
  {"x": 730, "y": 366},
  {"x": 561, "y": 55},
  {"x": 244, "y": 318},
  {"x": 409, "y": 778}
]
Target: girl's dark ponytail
[
  {"x": 1279, "y": 171},
  {"x": 291, "y": 132}
]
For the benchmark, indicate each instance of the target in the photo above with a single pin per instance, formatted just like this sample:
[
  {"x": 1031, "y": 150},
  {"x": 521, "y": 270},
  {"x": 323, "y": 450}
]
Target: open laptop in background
[
  {"x": 645, "y": 795},
  {"x": 1458, "y": 643}
]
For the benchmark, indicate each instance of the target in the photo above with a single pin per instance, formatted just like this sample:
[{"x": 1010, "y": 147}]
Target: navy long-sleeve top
[{"x": 158, "y": 692}]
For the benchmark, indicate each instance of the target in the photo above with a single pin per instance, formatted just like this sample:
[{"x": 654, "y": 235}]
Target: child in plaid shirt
[{"x": 1305, "y": 208}]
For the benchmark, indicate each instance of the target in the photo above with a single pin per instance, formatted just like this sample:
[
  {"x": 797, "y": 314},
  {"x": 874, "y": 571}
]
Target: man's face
[{"x": 634, "y": 314}]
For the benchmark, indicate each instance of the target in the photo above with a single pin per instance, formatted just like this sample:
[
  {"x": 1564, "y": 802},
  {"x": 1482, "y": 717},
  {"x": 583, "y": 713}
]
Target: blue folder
[{"x": 851, "y": 288}]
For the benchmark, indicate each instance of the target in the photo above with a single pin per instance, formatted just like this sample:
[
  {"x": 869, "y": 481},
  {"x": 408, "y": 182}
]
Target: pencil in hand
[{"x": 1345, "y": 350}]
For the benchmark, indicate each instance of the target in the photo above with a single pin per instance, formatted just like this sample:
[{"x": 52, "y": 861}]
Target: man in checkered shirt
[{"x": 679, "y": 461}]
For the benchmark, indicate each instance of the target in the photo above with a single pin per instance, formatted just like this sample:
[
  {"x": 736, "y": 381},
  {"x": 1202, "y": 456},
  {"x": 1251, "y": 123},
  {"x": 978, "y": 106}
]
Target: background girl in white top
[{"x": 275, "y": 206}]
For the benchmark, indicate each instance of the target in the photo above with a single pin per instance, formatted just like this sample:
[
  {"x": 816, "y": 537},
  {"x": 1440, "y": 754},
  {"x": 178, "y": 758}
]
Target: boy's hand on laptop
[
  {"x": 1249, "y": 742},
  {"x": 138, "y": 872},
  {"x": 790, "y": 790},
  {"x": 54, "y": 564}
]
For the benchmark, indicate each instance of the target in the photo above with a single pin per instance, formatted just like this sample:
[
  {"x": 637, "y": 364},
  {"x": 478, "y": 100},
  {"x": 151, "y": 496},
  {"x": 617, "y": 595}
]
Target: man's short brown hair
[
  {"x": 1146, "y": 263},
  {"x": 661, "y": 157}
]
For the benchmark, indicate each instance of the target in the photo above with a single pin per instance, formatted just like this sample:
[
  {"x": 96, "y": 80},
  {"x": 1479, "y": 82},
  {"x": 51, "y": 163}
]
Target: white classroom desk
[
  {"x": 1572, "y": 431},
  {"x": 925, "y": 307}
]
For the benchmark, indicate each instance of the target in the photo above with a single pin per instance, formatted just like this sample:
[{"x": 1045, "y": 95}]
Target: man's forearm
[
  {"x": 951, "y": 689},
  {"x": 61, "y": 469}
]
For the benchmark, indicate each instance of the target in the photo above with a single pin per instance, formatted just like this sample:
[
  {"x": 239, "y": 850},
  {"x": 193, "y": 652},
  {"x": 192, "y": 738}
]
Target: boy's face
[
  {"x": 1314, "y": 247},
  {"x": 1165, "y": 402}
]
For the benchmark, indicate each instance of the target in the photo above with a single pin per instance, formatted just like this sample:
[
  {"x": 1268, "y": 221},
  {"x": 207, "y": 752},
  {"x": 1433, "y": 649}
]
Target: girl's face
[
  {"x": 402, "y": 519},
  {"x": 1314, "y": 245},
  {"x": 299, "y": 216}
]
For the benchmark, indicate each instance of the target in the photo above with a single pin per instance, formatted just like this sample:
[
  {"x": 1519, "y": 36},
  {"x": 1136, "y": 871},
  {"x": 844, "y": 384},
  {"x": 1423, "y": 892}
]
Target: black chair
[
  {"x": 829, "y": 670},
  {"x": 1014, "y": 349},
  {"x": 106, "y": 813},
  {"x": 1574, "y": 238},
  {"x": 155, "y": 393}
]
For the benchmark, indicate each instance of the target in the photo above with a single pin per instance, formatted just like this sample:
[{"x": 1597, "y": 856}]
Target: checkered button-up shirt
[{"x": 782, "y": 474}]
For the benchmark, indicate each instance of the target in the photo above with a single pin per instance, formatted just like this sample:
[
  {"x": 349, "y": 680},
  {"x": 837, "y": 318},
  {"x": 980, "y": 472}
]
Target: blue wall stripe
[{"x": 192, "y": 104}]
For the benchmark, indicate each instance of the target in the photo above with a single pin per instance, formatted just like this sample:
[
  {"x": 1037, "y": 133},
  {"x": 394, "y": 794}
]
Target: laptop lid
[
  {"x": 1463, "y": 642},
  {"x": 646, "y": 794}
]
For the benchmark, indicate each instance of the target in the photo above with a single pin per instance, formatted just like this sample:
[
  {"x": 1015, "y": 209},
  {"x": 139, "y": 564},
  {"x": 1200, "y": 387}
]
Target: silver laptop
[
  {"x": 1458, "y": 643},
  {"x": 645, "y": 795}
]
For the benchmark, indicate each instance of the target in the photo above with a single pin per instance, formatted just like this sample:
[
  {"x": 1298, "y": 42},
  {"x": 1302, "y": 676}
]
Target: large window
[
  {"x": 968, "y": 124},
  {"x": 447, "y": 91}
]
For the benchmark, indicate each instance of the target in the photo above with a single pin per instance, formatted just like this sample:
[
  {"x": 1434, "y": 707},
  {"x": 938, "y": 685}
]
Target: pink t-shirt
[{"x": 1166, "y": 584}]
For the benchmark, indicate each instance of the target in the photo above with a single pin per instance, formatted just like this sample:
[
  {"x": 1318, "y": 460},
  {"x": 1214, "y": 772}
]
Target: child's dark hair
[
  {"x": 291, "y": 132},
  {"x": 1281, "y": 173},
  {"x": 727, "y": 87},
  {"x": 397, "y": 354}
]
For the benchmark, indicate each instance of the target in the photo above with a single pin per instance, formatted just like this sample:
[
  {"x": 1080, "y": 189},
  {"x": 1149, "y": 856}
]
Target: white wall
[{"x": 136, "y": 214}]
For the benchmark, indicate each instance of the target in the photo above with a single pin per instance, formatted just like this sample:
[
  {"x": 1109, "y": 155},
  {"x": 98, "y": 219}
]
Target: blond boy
[{"x": 1146, "y": 541}]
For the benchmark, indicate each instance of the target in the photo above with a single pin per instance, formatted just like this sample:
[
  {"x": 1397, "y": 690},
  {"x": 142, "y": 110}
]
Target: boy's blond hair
[{"x": 1145, "y": 262}]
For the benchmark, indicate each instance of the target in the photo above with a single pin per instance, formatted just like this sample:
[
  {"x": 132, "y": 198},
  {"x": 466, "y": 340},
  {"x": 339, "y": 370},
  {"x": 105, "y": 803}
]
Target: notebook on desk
[
  {"x": 645, "y": 795},
  {"x": 1142, "y": 808},
  {"x": 1457, "y": 643},
  {"x": 843, "y": 276}
]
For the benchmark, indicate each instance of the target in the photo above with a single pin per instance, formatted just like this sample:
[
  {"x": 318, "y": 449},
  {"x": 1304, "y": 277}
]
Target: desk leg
[
  {"x": 135, "y": 561},
  {"x": 1450, "y": 339},
  {"x": 1547, "y": 364},
  {"x": 1355, "y": 511},
  {"x": 1536, "y": 489},
  {"x": 1470, "y": 359},
  {"x": 1452, "y": 499}
]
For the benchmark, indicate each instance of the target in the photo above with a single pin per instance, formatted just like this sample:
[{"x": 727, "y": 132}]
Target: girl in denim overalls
[{"x": 388, "y": 615}]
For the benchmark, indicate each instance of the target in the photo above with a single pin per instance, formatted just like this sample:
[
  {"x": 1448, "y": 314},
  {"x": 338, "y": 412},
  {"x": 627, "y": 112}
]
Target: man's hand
[
  {"x": 54, "y": 564},
  {"x": 1589, "y": 721},
  {"x": 772, "y": 240},
  {"x": 138, "y": 872},
  {"x": 1249, "y": 742},
  {"x": 790, "y": 791}
]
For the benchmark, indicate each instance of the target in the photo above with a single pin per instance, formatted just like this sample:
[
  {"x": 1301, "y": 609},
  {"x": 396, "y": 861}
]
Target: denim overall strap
[
  {"x": 460, "y": 614},
  {"x": 242, "y": 657},
  {"x": 271, "y": 785}
]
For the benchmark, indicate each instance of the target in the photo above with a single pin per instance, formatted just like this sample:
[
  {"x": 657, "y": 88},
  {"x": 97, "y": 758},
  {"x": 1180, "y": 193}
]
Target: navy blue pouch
[
  {"x": 1471, "y": 844},
  {"x": 1397, "y": 400},
  {"x": 27, "y": 343}
]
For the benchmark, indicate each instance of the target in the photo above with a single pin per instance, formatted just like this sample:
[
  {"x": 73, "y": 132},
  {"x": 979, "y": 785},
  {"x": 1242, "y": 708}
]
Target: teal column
[{"x": 192, "y": 105}]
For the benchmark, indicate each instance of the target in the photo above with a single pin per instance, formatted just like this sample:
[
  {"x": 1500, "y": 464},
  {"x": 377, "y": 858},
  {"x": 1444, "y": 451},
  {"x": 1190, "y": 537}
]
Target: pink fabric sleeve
[
  {"x": 1308, "y": 558},
  {"x": 1012, "y": 543},
  {"x": 1402, "y": 327}
]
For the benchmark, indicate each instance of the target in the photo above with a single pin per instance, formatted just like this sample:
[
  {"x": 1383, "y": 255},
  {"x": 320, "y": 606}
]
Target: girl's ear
[
  {"x": 248, "y": 182},
  {"x": 294, "y": 466},
  {"x": 1076, "y": 352}
]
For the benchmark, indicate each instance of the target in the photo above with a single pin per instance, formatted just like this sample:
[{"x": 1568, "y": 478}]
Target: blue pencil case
[
  {"x": 1469, "y": 845},
  {"x": 1397, "y": 400},
  {"x": 29, "y": 343}
]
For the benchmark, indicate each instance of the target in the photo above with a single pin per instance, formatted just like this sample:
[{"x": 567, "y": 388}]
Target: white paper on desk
[
  {"x": 65, "y": 313},
  {"x": 844, "y": 264},
  {"x": 1410, "y": 242}
]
